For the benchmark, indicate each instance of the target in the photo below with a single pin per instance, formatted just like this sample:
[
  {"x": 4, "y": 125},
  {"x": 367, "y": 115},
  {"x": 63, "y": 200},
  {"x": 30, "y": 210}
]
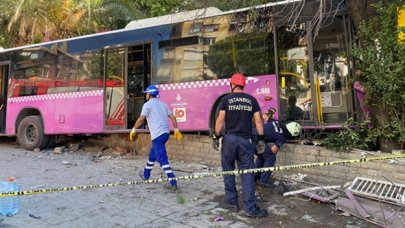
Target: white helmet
[{"x": 294, "y": 128}]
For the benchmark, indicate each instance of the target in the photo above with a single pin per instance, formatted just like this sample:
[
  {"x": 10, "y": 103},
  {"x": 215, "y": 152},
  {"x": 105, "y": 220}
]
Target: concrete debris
[
  {"x": 120, "y": 151},
  {"x": 74, "y": 147},
  {"x": 398, "y": 151},
  {"x": 37, "y": 150},
  {"x": 347, "y": 184},
  {"x": 346, "y": 214},
  {"x": 278, "y": 209},
  {"x": 58, "y": 150},
  {"x": 295, "y": 178},
  {"x": 201, "y": 173},
  {"x": 96, "y": 158},
  {"x": 282, "y": 187},
  {"x": 392, "y": 161},
  {"x": 66, "y": 162},
  {"x": 309, "y": 218}
]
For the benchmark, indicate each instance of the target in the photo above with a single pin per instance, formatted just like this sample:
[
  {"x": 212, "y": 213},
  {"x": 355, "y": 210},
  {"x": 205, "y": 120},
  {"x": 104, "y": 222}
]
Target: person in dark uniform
[
  {"x": 276, "y": 134},
  {"x": 294, "y": 112},
  {"x": 236, "y": 111}
]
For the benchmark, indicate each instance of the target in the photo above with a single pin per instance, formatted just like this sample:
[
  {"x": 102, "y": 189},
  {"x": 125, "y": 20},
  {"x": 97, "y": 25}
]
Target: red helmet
[{"x": 238, "y": 79}]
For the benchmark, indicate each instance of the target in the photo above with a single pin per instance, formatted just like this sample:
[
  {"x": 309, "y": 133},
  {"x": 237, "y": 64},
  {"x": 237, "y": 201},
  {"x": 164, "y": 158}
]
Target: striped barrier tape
[{"x": 203, "y": 175}]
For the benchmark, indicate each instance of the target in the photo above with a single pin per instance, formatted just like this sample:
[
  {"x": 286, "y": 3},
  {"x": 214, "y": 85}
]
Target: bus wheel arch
[
  {"x": 30, "y": 130},
  {"x": 215, "y": 111}
]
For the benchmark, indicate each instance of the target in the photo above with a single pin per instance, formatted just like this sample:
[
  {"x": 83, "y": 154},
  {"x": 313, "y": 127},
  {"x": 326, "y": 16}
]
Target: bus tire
[
  {"x": 30, "y": 133},
  {"x": 51, "y": 142}
]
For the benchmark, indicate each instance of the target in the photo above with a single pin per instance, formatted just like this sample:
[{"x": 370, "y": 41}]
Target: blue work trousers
[
  {"x": 158, "y": 153},
  {"x": 264, "y": 160},
  {"x": 240, "y": 150}
]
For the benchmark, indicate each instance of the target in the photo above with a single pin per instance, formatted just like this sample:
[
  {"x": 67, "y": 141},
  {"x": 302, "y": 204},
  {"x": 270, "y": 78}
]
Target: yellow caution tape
[{"x": 203, "y": 175}]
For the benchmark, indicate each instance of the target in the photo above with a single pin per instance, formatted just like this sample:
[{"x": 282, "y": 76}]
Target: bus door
[
  {"x": 139, "y": 68},
  {"x": 294, "y": 78},
  {"x": 4, "y": 70},
  {"x": 331, "y": 72},
  {"x": 115, "y": 81}
]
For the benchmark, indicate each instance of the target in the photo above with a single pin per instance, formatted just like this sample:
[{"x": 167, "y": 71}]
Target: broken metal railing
[{"x": 378, "y": 189}]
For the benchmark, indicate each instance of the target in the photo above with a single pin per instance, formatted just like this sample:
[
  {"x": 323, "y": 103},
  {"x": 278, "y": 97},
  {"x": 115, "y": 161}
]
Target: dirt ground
[{"x": 196, "y": 204}]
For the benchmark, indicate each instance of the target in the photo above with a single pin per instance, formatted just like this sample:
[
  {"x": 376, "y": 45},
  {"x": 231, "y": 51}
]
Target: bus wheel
[
  {"x": 51, "y": 142},
  {"x": 214, "y": 116},
  {"x": 31, "y": 133}
]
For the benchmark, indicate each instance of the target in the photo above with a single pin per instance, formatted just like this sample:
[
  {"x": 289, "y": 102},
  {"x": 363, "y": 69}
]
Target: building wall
[{"x": 197, "y": 148}]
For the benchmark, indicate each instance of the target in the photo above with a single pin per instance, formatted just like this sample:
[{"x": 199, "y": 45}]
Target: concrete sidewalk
[{"x": 197, "y": 204}]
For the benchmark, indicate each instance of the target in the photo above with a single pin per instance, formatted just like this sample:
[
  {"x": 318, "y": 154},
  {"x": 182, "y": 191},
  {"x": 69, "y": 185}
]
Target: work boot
[
  {"x": 140, "y": 174},
  {"x": 170, "y": 187},
  {"x": 267, "y": 185},
  {"x": 230, "y": 207},
  {"x": 257, "y": 213}
]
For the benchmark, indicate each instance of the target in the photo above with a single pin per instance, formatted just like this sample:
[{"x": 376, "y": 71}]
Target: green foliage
[
  {"x": 154, "y": 8},
  {"x": 181, "y": 199},
  {"x": 116, "y": 14},
  {"x": 25, "y": 22},
  {"x": 353, "y": 135},
  {"x": 249, "y": 53},
  {"x": 223, "y": 4},
  {"x": 382, "y": 64}
]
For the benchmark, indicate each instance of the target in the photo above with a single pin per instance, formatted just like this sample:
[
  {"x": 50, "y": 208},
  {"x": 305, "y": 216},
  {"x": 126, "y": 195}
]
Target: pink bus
[{"x": 93, "y": 84}]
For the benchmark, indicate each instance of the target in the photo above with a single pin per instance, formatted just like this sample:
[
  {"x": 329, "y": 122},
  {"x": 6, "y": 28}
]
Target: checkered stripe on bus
[
  {"x": 58, "y": 96},
  {"x": 192, "y": 85}
]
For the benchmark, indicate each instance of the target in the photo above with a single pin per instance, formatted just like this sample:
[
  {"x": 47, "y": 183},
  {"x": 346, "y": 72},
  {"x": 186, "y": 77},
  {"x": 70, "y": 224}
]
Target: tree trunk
[{"x": 360, "y": 10}]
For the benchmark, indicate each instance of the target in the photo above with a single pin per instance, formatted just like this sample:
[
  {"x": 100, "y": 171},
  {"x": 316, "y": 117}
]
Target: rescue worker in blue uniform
[
  {"x": 157, "y": 113},
  {"x": 276, "y": 134},
  {"x": 237, "y": 110}
]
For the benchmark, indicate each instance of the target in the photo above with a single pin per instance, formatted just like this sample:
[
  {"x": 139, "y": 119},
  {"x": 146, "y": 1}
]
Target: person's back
[
  {"x": 156, "y": 113},
  {"x": 274, "y": 133},
  {"x": 239, "y": 108}
]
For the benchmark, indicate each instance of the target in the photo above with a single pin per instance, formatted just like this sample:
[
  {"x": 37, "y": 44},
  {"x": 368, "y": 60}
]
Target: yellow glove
[
  {"x": 177, "y": 134},
  {"x": 133, "y": 135}
]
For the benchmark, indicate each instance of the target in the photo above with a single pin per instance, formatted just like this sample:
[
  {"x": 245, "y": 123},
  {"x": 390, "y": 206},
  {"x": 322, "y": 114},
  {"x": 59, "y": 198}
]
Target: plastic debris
[
  {"x": 347, "y": 214},
  {"x": 66, "y": 162},
  {"x": 34, "y": 216},
  {"x": 37, "y": 186},
  {"x": 218, "y": 218}
]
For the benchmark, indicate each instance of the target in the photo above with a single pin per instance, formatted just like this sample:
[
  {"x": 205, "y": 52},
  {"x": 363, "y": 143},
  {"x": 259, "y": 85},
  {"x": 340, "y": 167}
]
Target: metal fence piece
[{"x": 378, "y": 189}]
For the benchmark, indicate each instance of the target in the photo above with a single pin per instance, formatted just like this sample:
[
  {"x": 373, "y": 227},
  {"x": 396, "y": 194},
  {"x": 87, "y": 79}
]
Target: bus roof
[
  {"x": 161, "y": 20},
  {"x": 195, "y": 14},
  {"x": 174, "y": 18}
]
